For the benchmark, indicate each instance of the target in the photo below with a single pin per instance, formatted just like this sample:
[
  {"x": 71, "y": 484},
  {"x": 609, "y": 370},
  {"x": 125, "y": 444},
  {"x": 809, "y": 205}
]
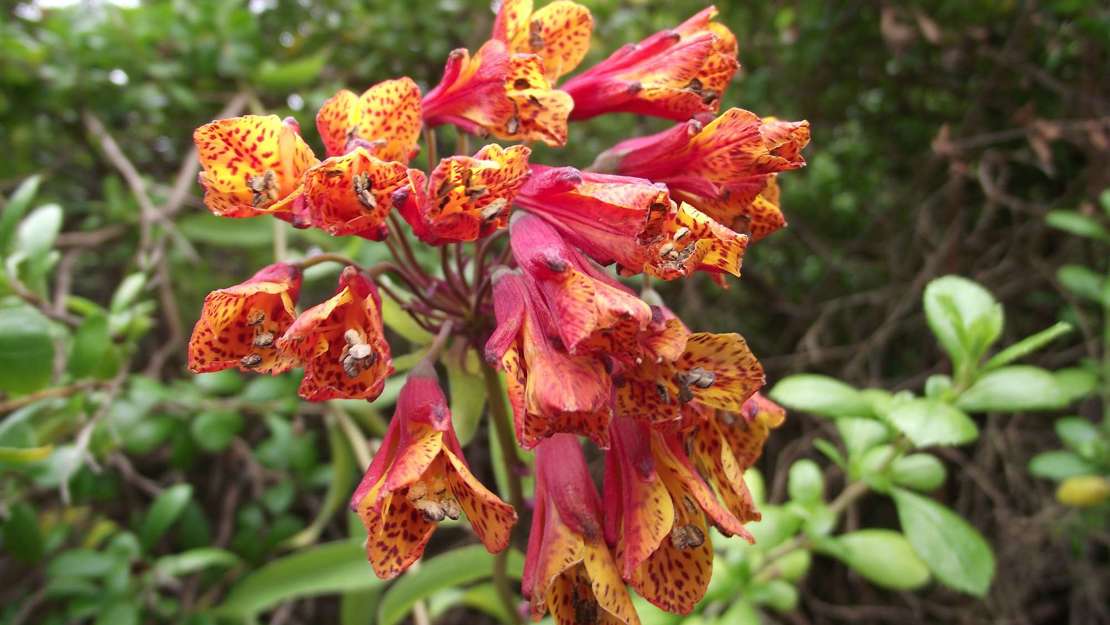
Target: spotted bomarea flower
[
  {"x": 568, "y": 568},
  {"x": 385, "y": 121},
  {"x": 239, "y": 325},
  {"x": 352, "y": 194},
  {"x": 419, "y": 478},
  {"x": 725, "y": 167},
  {"x": 342, "y": 343},
  {"x": 252, "y": 165},
  {"x": 674, "y": 73},
  {"x": 558, "y": 33},
  {"x": 631, "y": 222},
  {"x": 466, "y": 197},
  {"x": 658, "y": 512},
  {"x": 500, "y": 93},
  {"x": 563, "y": 325}
]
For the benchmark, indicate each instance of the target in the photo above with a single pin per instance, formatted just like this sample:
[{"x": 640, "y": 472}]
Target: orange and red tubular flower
[
  {"x": 352, "y": 194},
  {"x": 239, "y": 325},
  {"x": 251, "y": 165},
  {"x": 674, "y": 74},
  {"x": 499, "y": 93},
  {"x": 342, "y": 343},
  {"x": 385, "y": 120},
  {"x": 466, "y": 197},
  {"x": 419, "y": 478},
  {"x": 721, "y": 167},
  {"x": 632, "y": 222},
  {"x": 655, "y": 516},
  {"x": 558, "y": 33},
  {"x": 568, "y": 569},
  {"x": 550, "y": 390}
]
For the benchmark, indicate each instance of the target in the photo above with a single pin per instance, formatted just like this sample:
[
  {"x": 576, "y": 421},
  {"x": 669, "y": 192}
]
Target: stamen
[
  {"x": 264, "y": 188},
  {"x": 494, "y": 208},
  {"x": 357, "y": 356},
  {"x": 362, "y": 191},
  {"x": 263, "y": 339},
  {"x": 251, "y": 361},
  {"x": 435, "y": 506},
  {"x": 513, "y": 125},
  {"x": 685, "y": 537},
  {"x": 535, "y": 35},
  {"x": 255, "y": 316}
]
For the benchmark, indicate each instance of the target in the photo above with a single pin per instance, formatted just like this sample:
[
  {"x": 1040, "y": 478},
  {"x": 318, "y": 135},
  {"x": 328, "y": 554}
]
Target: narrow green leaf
[
  {"x": 1059, "y": 465},
  {"x": 22, "y": 537},
  {"x": 26, "y": 350},
  {"x": 454, "y": 568},
  {"x": 468, "y": 395},
  {"x": 1076, "y": 432},
  {"x": 954, "y": 551},
  {"x": 359, "y": 607},
  {"x": 194, "y": 560},
  {"x": 83, "y": 563},
  {"x": 929, "y": 422},
  {"x": 1028, "y": 345},
  {"x": 24, "y": 455},
  {"x": 820, "y": 395},
  {"x": 339, "y": 487},
  {"x": 883, "y": 557},
  {"x": 1081, "y": 281},
  {"x": 204, "y": 227},
  {"x": 127, "y": 292},
  {"x": 1076, "y": 382},
  {"x": 1078, "y": 224},
  {"x": 35, "y": 235},
  {"x": 330, "y": 568},
  {"x": 805, "y": 482},
  {"x": 1012, "y": 389},
  {"x": 15, "y": 208},
  {"x": 292, "y": 74},
  {"x": 163, "y": 512}
]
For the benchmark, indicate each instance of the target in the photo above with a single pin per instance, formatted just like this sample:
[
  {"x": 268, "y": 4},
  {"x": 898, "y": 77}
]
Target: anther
[
  {"x": 535, "y": 35},
  {"x": 686, "y": 537},
  {"x": 513, "y": 125},
  {"x": 362, "y": 191},
  {"x": 251, "y": 361},
  {"x": 255, "y": 317},
  {"x": 494, "y": 208},
  {"x": 263, "y": 188},
  {"x": 263, "y": 339}
]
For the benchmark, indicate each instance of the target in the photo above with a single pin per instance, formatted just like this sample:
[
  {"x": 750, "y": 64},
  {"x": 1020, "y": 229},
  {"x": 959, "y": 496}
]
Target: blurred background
[{"x": 951, "y": 136}]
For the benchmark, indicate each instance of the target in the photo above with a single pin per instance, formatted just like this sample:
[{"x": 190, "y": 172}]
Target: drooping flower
[
  {"x": 632, "y": 222},
  {"x": 655, "y": 516},
  {"x": 500, "y": 93},
  {"x": 674, "y": 74},
  {"x": 251, "y": 165},
  {"x": 385, "y": 120},
  {"x": 721, "y": 167},
  {"x": 727, "y": 444},
  {"x": 466, "y": 197},
  {"x": 238, "y": 325},
  {"x": 568, "y": 569},
  {"x": 352, "y": 194},
  {"x": 419, "y": 478},
  {"x": 341, "y": 343},
  {"x": 688, "y": 375},
  {"x": 558, "y": 33},
  {"x": 550, "y": 390}
]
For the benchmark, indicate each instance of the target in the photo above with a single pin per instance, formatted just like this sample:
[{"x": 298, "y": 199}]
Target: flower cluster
[{"x": 675, "y": 413}]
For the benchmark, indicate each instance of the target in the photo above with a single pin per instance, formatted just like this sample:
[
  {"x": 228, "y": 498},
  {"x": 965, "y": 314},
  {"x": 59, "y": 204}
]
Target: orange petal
[
  {"x": 677, "y": 574},
  {"x": 491, "y": 518},
  {"x": 250, "y": 163},
  {"x": 675, "y": 468},
  {"x": 538, "y": 112},
  {"x": 608, "y": 587},
  {"x": 560, "y": 552},
  {"x": 353, "y": 194},
  {"x": 646, "y": 512},
  {"x": 719, "y": 465},
  {"x": 238, "y": 326},
  {"x": 723, "y": 372},
  {"x": 558, "y": 33},
  {"x": 751, "y": 206},
  {"x": 400, "y": 539},
  {"x": 386, "y": 119},
  {"x": 565, "y": 393},
  {"x": 691, "y": 240}
]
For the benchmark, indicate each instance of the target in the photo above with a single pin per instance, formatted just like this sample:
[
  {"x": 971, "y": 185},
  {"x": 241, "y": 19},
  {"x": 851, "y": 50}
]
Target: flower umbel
[{"x": 419, "y": 478}]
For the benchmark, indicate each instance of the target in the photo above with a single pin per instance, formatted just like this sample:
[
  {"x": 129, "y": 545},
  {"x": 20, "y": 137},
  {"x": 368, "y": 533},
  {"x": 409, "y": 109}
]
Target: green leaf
[
  {"x": 929, "y": 422},
  {"x": 91, "y": 342},
  {"x": 22, "y": 537},
  {"x": 883, "y": 557},
  {"x": 820, "y": 395},
  {"x": 485, "y": 599},
  {"x": 24, "y": 455},
  {"x": 1076, "y": 432},
  {"x": 15, "y": 208},
  {"x": 1028, "y": 345},
  {"x": 204, "y": 227},
  {"x": 35, "y": 235},
  {"x": 1059, "y": 465},
  {"x": 775, "y": 526},
  {"x": 1012, "y": 389},
  {"x": 83, "y": 563},
  {"x": 779, "y": 595},
  {"x": 468, "y": 395},
  {"x": 954, "y": 551},
  {"x": 127, "y": 292},
  {"x": 342, "y": 480},
  {"x": 400, "y": 322},
  {"x": 921, "y": 472},
  {"x": 1078, "y": 224},
  {"x": 859, "y": 435},
  {"x": 1081, "y": 281},
  {"x": 122, "y": 611},
  {"x": 359, "y": 607},
  {"x": 805, "y": 482},
  {"x": 953, "y": 307},
  {"x": 292, "y": 74},
  {"x": 163, "y": 512},
  {"x": 26, "y": 350},
  {"x": 740, "y": 613},
  {"x": 214, "y": 430},
  {"x": 194, "y": 560},
  {"x": 331, "y": 568},
  {"x": 454, "y": 568},
  {"x": 1076, "y": 382}
]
